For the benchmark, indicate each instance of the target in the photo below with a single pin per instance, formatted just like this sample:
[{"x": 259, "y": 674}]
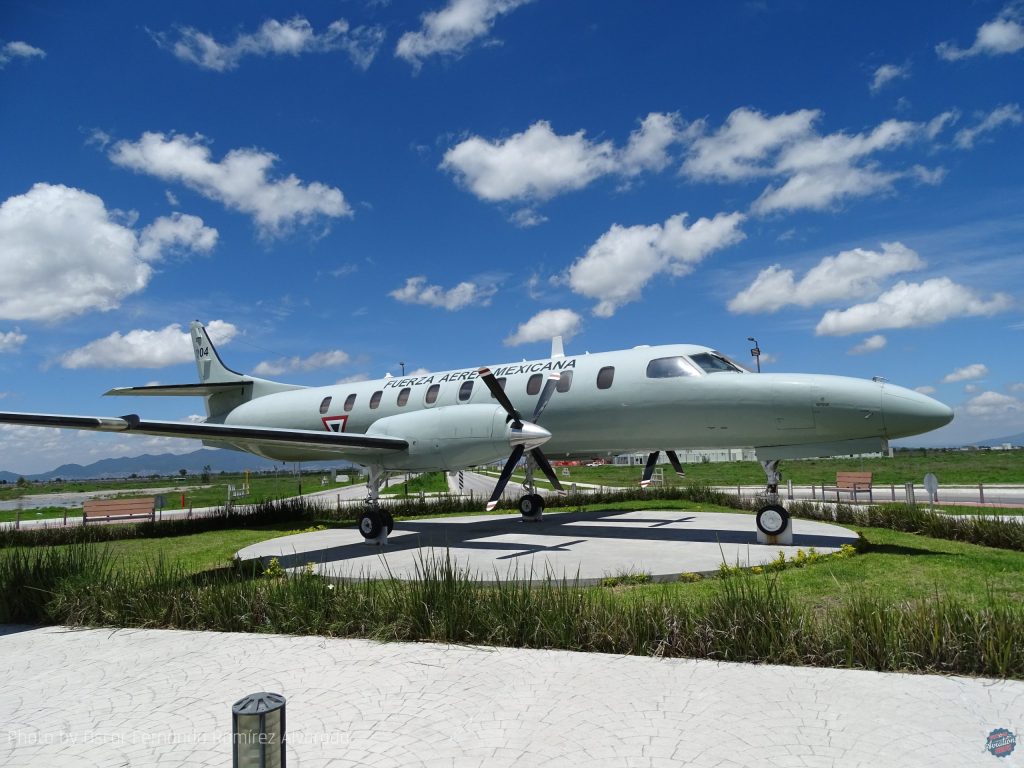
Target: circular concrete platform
[{"x": 587, "y": 545}]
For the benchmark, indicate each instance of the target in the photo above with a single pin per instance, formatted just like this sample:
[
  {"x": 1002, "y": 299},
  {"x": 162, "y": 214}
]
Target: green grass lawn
[
  {"x": 951, "y": 467},
  {"x": 428, "y": 482},
  {"x": 895, "y": 566},
  {"x": 43, "y": 513}
]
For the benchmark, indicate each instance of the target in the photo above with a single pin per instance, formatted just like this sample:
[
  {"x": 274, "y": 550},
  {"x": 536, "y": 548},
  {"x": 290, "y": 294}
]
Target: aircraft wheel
[
  {"x": 371, "y": 523},
  {"x": 772, "y": 520},
  {"x": 531, "y": 506},
  {"x": 389, "y": 520}
]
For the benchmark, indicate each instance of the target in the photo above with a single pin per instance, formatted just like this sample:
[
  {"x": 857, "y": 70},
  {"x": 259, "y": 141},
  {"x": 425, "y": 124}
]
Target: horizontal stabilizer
[{"x": 180, "y": 390}]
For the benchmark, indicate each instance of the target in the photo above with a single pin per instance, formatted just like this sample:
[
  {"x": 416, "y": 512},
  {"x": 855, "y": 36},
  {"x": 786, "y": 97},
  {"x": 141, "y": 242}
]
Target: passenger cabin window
[
  {"x": 564, "y": 381},
  {"x": 431, "y": 397},
  {"x": 533, "y": 384},
  {"x": 465, "y": 391},
  {"x": 403, "y": 396},
  {"x": 375, "y": 399},
  {"x": 713, "y": 363},
  {"x": 605, "y": 377},
  {"x": 325, "y": 404},
  {"x": 669, "y": 367},
  {"x": 350, "y": 402},
  {"x": 501, "y": 383}
]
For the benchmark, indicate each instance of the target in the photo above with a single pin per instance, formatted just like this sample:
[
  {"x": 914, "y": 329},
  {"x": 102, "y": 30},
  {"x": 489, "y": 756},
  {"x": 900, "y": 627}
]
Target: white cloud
[
  {"x": 527, "y": 217},
  {"x": 647, "y": 149},
  {"x": 967, "y": 373},
  {"x": 993, "y": 405},
  {"x": 329, "y": 359},
  {"x": 239, "y": 181},
  {"x": 886, "y": 74},
  {"x": 912, "y": 305},
  {"x": 145, "y": 349},
  {"x": 452, "y": 29},
  {"x": 616, "y": 268},
  {"x": 927, "y": 389},
  {"x": 63, "y": 253},
  {"x": 536, "y": 163},
  {"x": 1007, "y": 114},
  {"x": 818, "y": 171},
  {"x": 737, "y": 150},
  {"x": 544, "y": 325},
  {"x": 849, "y": 274},
  {"x": 1018, "y": 387},
  {"x": 11, "y": 341},
  {"x": 176, "y": 232},
  {"x": 16, "y": 49},
  {"x": 416, "y": 291},
  {"x": 539, "y": 164},
  {"x": 274, "y": 38},
  {"x": 971, "y": 388},
  {"x": 1002, "y": 35},
  {"x": 355, "y": 377},
  {"x": 870, "y": 344}
]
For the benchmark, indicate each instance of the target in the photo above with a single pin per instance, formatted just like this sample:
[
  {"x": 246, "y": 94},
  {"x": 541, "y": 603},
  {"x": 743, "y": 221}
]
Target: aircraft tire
[
  {"x": 371, "y": 523},
  {"x": 772, "y": 519},
  {"x": 389, "y": 520},
  {"x": 531, "y": 506}
]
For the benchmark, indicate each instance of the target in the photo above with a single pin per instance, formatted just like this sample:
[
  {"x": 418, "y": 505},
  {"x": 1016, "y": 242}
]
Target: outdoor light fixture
[
  {"x": 755, "y": 352},
  {"x": 257, "y": 731}
]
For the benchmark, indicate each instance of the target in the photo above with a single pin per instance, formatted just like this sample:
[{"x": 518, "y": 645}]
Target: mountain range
[{"x": 163, "y": 464}]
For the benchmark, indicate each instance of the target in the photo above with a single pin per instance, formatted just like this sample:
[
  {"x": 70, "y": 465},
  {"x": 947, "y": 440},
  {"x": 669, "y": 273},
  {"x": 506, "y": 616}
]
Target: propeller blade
[
  {"x": 499, "y": 394},
  {"x": 672, "y": 457},
  {"x": 506, "y": 473},
  {"x": 545, "y": 396},
  {"x": 649, "y": 469},
  {"x": 545, "y": 466}
]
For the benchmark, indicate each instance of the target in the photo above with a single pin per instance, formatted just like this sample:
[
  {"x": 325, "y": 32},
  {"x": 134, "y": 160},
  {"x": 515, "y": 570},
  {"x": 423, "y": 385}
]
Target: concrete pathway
[{"x": 91, "y": 698}]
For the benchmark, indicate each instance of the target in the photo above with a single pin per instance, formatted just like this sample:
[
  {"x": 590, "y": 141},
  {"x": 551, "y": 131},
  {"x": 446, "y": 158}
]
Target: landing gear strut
[
  {"x": 772, "y": 518},
  {"x": 375, "y": 523},
  {"x": 531, "y": 506}
]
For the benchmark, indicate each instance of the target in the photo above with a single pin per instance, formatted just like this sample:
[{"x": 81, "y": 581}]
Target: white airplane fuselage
[{"x": 452, "y": 421}]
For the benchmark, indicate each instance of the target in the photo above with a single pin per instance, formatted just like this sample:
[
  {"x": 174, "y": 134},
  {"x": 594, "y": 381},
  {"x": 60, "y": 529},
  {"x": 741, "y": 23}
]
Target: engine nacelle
[{"x": 453, "y": 437}]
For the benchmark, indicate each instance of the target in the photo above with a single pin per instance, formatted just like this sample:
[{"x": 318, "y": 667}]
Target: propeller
[
  {"x": 526, "y": 428},
  {"x": 652, "y": 459}
]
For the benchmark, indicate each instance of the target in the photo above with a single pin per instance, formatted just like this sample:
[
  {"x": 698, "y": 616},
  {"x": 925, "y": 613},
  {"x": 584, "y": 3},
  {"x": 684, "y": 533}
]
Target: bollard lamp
[{"x": 257, "y": 731}]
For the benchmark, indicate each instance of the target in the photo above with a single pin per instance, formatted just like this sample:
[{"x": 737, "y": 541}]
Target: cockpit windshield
[{"x": 713, "y": 362}]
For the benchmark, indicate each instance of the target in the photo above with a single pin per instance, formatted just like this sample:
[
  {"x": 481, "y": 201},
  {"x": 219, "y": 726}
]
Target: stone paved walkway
[{"x": 87, "y": 698}]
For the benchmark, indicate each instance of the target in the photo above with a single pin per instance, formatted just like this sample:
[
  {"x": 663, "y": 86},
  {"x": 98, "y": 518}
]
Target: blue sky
[{"x": 340, "y": 186}]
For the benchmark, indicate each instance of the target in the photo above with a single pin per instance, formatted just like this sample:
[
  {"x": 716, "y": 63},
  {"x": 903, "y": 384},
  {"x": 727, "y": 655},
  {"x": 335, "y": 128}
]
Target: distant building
[{"x": 691, "y": 456}]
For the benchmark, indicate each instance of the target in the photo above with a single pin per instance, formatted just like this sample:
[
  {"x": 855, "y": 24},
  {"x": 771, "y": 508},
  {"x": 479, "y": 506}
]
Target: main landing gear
[
  {"x": 531, "y": 506},
  {"x": 375, "y": 523},
  {"x": 772, "y": 519}
]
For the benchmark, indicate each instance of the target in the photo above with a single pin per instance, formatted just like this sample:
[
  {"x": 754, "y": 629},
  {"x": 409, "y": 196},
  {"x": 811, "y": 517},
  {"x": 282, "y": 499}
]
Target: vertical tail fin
[{"x": 210, "y": 367}]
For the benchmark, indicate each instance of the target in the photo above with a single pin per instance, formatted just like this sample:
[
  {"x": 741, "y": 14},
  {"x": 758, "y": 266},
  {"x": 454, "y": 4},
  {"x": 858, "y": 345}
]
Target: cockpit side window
[
  {"x": 669, "y": 367},
  {"x": 715, "y": 363}
]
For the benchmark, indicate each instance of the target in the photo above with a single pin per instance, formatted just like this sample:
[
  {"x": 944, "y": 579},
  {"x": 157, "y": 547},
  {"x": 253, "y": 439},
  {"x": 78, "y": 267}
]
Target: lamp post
[
  {"x": 755, "y": 352},
  {"x": 403, "y": 368},
  {"x": 258, "y": 731}
]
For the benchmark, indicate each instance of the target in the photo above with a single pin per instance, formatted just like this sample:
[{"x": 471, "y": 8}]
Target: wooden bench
[
  {"x": 851, "y": 483},
  {"x": 118, "y": 510}
]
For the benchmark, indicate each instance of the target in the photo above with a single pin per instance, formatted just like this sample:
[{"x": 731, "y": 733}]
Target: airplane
[{"x": 648, "y": 398}]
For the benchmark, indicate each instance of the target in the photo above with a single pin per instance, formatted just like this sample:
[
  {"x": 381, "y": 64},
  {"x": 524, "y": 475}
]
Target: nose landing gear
[{"x": 773, "y": 523}]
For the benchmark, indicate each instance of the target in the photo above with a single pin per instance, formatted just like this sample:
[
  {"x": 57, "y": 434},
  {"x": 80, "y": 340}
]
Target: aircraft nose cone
[
  {"x": 529, "y": 436},
  {"x": 907, "y": 412}
]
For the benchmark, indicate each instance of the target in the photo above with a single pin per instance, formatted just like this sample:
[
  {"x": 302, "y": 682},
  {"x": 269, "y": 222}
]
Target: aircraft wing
[{"x": 343, "y": 442}]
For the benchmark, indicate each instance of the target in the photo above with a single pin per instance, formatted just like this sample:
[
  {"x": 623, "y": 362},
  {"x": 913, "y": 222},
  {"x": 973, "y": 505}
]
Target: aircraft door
[{"x": 793, "y": 405}]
